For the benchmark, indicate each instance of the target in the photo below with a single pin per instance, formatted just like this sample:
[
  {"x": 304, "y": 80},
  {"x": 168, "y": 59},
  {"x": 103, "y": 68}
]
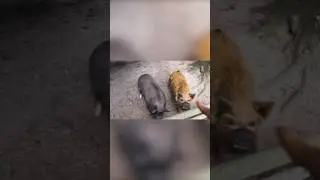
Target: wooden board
[
  {"x": 295, "y": 173},
  {"x": 199, "y": 117},
  {"x": 254, "y": 164},
  {"x": 193, "y": 114},
  {"x": 251, "y": 165}
]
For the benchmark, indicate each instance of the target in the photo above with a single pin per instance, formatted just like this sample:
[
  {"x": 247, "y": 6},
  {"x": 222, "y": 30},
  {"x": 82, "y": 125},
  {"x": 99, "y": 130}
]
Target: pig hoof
[{"x": 98, "y": 109}]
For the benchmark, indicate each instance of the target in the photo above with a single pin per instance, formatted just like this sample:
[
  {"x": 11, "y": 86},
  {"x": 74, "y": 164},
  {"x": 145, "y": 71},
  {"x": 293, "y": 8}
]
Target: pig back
[
  {"x": 99, "y": 69},
  {"x": 149, "y": 88}
]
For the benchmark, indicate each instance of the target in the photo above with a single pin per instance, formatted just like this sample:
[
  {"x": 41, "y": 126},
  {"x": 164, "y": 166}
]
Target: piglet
[{"x": 153, "y": 95}]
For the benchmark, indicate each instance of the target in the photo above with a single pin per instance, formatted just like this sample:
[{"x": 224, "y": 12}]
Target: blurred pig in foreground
[
  {"x": 150, "y": 147},
  {"x": 166, "y": 150}
]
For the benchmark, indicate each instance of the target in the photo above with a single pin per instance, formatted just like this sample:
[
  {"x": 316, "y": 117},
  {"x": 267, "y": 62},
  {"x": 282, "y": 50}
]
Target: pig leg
[
  {"x": 98, "y": 106},
  {"x": 98, "y": 109},
  {"x": 179, "y": 109}
]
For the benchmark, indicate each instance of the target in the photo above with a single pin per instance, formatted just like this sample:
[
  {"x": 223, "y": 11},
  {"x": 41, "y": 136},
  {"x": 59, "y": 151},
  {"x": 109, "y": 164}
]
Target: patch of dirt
[{"x": 47, "y": 129}]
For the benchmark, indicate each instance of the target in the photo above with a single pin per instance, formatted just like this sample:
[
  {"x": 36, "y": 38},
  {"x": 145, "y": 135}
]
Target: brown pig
[
  {"x": 180, "y": 90},
  {"x": 238, "y": 115}
]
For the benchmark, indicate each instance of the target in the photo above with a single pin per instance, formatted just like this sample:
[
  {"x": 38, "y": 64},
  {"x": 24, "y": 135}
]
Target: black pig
[
  {"x": 99, "y": 76},
  {"x": 113, "y": 54},
  {"x": 150, "y": 146},
  {"x": 153, "y": 95}
]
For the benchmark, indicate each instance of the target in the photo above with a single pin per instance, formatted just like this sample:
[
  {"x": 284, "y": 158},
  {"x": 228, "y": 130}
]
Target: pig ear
[
  {"x": 263, "y": 108},
  {"x": 192, "y": 95},
  {"x": 177, "y": 97}
]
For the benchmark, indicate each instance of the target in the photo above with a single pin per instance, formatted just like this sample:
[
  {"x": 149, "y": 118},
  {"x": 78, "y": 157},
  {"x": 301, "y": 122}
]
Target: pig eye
[
  {"x": 252, "y": 123},
  {"x": 228, "y": 120}
]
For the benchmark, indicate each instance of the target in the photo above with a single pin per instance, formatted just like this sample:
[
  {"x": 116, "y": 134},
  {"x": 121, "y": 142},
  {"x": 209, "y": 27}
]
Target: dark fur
[
  {"x": 99, "y": 73},
  {"x": 149, "y": 161},
  {"x": 99, "y": 64},
  {"x": 153, "y": 95}
]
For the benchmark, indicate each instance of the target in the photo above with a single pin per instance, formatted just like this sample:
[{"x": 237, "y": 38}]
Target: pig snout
[
  {"x": 158, "y": 115},
  {"x": 243, "y": 141},
  {"x": 150, "y": 149},
  {"x": 156, "y": 110},
  {"x": 186, "y": 106}
]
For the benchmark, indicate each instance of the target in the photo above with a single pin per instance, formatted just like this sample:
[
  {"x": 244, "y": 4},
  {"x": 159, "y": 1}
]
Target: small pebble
[{"x": 85, "y": 27}]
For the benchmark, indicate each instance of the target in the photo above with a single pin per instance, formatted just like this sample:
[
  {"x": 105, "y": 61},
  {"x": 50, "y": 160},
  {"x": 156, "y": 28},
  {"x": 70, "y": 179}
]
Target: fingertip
[{"x": 199, "y": 103}]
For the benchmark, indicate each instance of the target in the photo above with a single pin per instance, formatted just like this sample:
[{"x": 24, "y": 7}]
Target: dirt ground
[
  {"x": 125, "y": 102},
  {"x": 47, "y": 129}
]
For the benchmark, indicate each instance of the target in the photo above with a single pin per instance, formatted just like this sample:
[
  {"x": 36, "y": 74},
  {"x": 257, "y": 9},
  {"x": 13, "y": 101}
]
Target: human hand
[{"x": 205, "y": 110}]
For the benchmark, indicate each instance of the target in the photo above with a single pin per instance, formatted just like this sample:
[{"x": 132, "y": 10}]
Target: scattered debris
[
  {"x": 294, "y": 25},
  {"x": 85, "y": 27},
  {"x": 295, "y": 31},
  {"x": 296, "y": 91},
  {"x": 317, "y": 21},
  {"x": 90, "y": 13}
]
